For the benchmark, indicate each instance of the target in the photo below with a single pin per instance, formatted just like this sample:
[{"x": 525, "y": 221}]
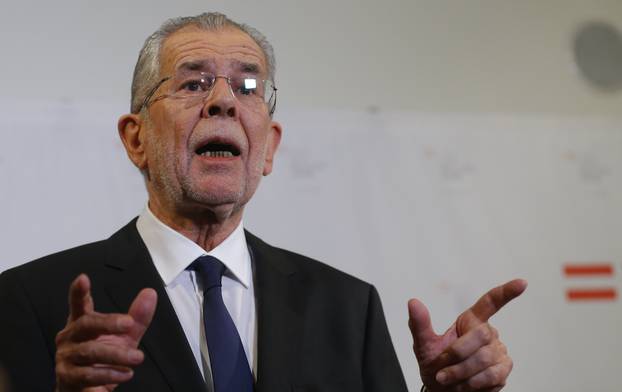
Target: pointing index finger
[{"x": 489, "y": 304}]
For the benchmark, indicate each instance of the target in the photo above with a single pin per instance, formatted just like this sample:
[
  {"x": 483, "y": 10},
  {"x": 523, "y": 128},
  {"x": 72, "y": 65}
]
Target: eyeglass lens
[{"x": 247, "y": 89}]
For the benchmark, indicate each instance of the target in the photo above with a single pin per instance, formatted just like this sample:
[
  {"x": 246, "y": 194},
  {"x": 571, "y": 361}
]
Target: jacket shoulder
[
  {"x": 292, "y": 262},
  {"x": 74, "y": 260},
  {"x": 66, "y": 259}
]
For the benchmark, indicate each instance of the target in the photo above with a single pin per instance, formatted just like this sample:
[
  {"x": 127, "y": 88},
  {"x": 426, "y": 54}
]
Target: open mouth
[{"x": 218, "y": 150}]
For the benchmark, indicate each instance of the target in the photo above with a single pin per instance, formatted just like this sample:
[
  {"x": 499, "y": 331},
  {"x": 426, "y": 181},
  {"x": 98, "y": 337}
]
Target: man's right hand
[{"x": 96, "y": 351}]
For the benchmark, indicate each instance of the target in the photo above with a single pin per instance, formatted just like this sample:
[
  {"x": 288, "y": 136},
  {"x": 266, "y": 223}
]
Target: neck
[{"x": 205, "y": 226}]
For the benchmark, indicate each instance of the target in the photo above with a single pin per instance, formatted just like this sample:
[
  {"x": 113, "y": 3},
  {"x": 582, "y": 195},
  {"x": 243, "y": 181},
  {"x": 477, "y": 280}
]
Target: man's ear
[
  {"x": 132, "y": 133},
  {"x": 273, "y": 141}
]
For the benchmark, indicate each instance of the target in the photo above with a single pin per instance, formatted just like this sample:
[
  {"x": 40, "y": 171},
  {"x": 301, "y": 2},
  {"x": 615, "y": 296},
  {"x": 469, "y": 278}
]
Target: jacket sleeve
[
  {"x": 24, "y": 353},
  {"x": 381, "y": 369}
]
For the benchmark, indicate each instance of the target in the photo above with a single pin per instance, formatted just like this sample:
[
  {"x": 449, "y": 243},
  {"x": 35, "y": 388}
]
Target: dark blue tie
[{"x": 230, "y": 370}]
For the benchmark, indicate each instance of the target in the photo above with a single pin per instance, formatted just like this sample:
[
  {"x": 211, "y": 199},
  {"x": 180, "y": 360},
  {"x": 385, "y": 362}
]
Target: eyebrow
[
  {"x": 247, "y": 67},
  {"x": 202, "y": 65},
  {"x": 195, "y": 65}
]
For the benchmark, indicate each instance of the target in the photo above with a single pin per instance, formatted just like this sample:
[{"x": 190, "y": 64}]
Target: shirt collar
[{"x": 172, "y": 252}]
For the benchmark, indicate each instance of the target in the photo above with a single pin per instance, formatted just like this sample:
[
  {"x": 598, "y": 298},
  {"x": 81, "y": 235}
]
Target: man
[{"x": 186, "y": 299}]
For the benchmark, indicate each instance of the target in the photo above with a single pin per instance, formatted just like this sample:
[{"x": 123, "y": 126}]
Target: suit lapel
[
  {"x": 280, "y": 299},
  {"x": 164, "y": 341}
]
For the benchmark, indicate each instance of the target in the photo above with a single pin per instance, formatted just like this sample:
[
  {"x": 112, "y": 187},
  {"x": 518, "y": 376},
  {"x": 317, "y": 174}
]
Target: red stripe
[
  {"x": 602, "y": 294},
  {"x": 588, "y": 269}
]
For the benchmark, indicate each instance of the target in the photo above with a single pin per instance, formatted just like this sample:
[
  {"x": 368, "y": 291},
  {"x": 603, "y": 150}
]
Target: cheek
[
  {"x": 257, "y": 137},
  {"x": 173, "y": 134},
  {"x": 258, "y": 156}
]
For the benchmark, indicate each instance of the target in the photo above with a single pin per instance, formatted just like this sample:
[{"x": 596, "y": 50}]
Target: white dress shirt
[{"x": 172, "y": 253}]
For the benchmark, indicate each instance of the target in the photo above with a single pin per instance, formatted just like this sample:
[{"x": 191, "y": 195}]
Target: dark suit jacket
[{"x": 318, "y": 329}]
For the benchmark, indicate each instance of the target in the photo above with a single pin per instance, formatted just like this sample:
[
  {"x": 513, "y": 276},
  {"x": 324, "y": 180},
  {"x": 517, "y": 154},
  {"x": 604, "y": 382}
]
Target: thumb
[
  {"x": 80, "y": 300},
  {"x": 420, "y": 324},
  {"x": 142, "y": 311}
]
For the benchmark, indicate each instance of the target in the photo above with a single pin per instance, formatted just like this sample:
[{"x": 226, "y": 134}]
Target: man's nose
[{"x": 220, "y": 101}]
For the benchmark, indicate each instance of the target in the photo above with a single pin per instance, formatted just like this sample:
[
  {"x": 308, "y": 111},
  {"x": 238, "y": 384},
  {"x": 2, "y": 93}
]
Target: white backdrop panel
[{"x": 441, "y": 207}]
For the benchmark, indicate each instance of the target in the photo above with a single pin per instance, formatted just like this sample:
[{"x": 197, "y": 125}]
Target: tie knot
[{"x": 210, "y": 269}]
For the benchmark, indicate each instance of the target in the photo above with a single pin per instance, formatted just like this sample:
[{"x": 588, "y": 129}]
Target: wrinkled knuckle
[
  {"x": 473, "y": 383},
  {"x": 73, "y": 334},
  {"x": 451, "y": 372},
  {"x": 484, "y": 333},
  {"x": 489, "y": 335},
  {"x": 84, "y": 353},
  {"x": 61, "y": 370},
  {"x": 89, "y": 377},
  {"x": 67, "y": 375},
  {"x": 497, "y": 354},
  {"x": 489, "y": 357},
  {"x": 62, "y": 336},
  {"x": 85, "y": 322},
  {"x": 62, "y": 353},
  {"x": 483, "y": 359},
  {"x": 495, "y": 375},
  {"x": 59, "y": 358}
]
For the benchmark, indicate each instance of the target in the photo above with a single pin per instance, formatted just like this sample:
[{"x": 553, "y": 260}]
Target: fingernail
[
  {"x": 135, "y": 355},
  {"x": 122, "y": 375},
  {"x": 441, "y": 377},
  {"x": 125, "y": 322}
]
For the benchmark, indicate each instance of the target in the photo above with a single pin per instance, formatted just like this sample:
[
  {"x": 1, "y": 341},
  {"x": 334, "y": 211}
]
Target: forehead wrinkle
[
  {"x": 234, "y": 56},
  {"x": 199, "y": 49},
  {"x": 208, "y": 65}
]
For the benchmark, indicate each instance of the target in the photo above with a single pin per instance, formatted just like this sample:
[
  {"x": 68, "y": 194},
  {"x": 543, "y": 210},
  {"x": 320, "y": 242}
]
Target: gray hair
[{"x": 147, "y": 69}]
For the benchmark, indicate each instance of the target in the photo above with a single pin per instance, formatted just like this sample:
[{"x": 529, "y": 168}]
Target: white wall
[
  {"x": 451, "y": 142},
  {"x": 431, "y": 56}
]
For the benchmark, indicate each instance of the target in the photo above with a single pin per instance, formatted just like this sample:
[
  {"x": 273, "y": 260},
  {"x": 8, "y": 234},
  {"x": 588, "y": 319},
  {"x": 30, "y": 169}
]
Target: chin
[
  {"x": 214, "y": 197},
  {"x": 218, "y": 193}
]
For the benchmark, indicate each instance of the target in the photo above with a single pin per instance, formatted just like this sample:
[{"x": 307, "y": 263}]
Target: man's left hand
[{"x": 469, "y": 356}]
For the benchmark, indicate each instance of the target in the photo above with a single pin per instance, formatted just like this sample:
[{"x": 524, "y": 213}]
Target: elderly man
[{"x": 182, "y": 298}]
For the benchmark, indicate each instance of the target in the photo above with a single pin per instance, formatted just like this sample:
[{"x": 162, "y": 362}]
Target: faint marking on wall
[
  {"x": 452, "y": 166},
  {"x": 303, "y": 164},
  {"x": 591, "y": 168},
  {"x": 455, "y": 169}
]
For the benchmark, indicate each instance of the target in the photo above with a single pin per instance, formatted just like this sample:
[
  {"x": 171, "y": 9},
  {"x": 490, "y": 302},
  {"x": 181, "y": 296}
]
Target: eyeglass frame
[{"x": 155, "y": 88}]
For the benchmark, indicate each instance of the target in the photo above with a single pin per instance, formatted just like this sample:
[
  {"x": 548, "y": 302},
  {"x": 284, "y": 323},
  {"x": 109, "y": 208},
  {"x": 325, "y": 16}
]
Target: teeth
[{"x": 217, "y": 154}]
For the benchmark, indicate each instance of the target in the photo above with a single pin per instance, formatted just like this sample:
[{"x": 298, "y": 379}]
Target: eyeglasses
[{"x": 194, "y": 87}]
